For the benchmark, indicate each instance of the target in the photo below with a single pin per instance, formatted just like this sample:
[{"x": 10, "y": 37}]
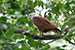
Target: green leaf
[
  {"x": 18, "y": 36},
  {"x": 35, "y": 31},
  {"x": 30, "y": 23},
  {"x": 24, "y": 48},
  {"x": 35, "y": 3},
  {"x": 22, "y": 42},
  {"x": 72, "y": 2},
  {"x": 22, "y": 20},
  {"x": 9, "y": 34},
  {"x": 1, "y": 9},
  {"x": 56, "y": 10},
  {"x": 0, "y": 2},
  {"x": 68, "y": 8},
  {"x": 73, "y": 30},
  {"x": 14, "y": 5},
  {"x": 59, "y": 0},
  {"x": 46, "y": 47},
  {"x": 3, "y": 18},
  {"x": 58, "y": 48},
  {"x": 40, "y": 3},
  {"x": 0, "y": 32},
  {"x": 23, "y": 12},
  {"x": 31, "y": 41},
  {"x": 29, "y": 2},
  {"x": 11, "y": 11},
  {"x": 72, "y": 20},
  {"x": 23, "y": 1},
  {"x": 64, "y": 45}
]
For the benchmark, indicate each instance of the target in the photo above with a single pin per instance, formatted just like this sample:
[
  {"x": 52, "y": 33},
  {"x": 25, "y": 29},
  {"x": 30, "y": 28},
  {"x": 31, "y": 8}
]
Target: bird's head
[{"x": 31, "y": 15}]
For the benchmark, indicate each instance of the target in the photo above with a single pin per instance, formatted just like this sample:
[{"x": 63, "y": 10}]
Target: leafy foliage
[{"x": 14, "y": 17}]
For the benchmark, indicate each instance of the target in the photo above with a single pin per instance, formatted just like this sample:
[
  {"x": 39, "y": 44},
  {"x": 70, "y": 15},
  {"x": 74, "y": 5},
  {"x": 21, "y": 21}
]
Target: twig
[
  {"x": 38, "y": 10},
  {"x": 67, "y": 29},
  {"x": 69, "y": 41},
  {"x": 51, "y": 41}
]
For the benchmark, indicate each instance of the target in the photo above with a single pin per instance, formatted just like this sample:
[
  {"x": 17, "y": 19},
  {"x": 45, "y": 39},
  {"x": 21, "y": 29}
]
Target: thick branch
[{"x": 45, "y": 37}]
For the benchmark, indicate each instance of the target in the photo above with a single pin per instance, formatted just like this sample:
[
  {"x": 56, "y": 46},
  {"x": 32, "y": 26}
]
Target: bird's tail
[{"x": 57, "y": 30}]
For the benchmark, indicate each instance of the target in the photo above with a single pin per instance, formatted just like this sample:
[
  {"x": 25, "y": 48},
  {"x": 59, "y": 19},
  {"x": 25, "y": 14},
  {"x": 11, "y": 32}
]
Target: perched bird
[{"x": 43, "y": 24}]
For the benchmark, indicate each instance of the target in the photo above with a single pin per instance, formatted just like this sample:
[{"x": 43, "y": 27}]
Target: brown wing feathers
[{"x": 45, "y": 25}]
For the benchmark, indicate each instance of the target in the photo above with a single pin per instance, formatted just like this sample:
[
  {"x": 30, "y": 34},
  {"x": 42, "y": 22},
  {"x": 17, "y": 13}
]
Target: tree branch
[
  {"x": 46, "y": 37},
  {"x": 69, "y": 41},
  {"x": 51, "y": 41},
  {"x": 49, "y": 37}
]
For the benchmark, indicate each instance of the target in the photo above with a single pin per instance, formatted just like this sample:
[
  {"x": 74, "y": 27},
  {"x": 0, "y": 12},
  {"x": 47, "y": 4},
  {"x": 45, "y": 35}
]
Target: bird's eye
[{"x": 30, "y": 15}]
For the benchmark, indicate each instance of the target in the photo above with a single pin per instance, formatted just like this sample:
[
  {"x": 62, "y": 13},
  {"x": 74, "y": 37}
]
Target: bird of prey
[{"x": 43, "y": 24}]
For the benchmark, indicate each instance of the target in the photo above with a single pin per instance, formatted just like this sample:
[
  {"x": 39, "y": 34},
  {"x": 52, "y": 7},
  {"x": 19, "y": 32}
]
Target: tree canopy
[{"x": 17, "y": 32}]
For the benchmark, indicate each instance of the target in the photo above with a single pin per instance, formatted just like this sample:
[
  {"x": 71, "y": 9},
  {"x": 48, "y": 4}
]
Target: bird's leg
[{"x": 41, "y": 33}]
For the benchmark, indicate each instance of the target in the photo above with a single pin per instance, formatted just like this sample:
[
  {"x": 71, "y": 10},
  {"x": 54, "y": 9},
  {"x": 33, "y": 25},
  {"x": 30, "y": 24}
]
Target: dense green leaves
[
  {"x": 58, "y": 48},
  {"x": 40, "y": 3},
  {"x": 13, "y": 16},
  {"x": 9, "y": 33},
  {"x": 19, "y": 36},
  {"x": 3, "y": 19},
  {"x": 22, "y": 20},
  {"x": 33, "y": 43}
]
